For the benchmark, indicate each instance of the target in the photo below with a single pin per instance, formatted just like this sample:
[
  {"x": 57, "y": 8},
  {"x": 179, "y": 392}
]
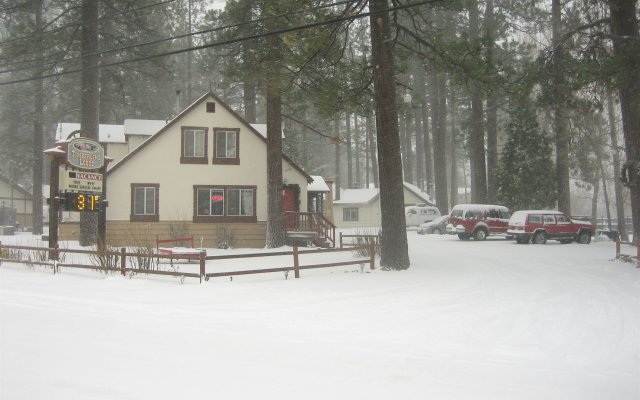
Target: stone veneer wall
[{"x": 125, "y": 233}]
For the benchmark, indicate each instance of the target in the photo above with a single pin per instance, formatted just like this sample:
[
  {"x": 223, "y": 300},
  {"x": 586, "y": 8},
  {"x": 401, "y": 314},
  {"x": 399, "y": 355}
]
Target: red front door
[{"x": 289, "y": 203}]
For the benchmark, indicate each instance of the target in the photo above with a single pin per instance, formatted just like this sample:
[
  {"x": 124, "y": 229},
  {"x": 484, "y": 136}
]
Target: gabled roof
[
  {"x": 177, "y": 118},
  {"x": 143, "y": 127},
  {"x": 107, "y": 133},
  {"x": 418, "y": 192},
  {"x": 357, "y": 196},
  {"x": 318, "y": 185},
  {"x": 368, "y": 196},
  {"x": 16, "y": 187}
]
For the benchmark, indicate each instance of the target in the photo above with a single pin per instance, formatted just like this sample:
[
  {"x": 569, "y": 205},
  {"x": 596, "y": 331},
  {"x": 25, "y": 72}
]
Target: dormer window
[
  {"x": 226, "y": 146},
  {"x": 194, "y": 145}
]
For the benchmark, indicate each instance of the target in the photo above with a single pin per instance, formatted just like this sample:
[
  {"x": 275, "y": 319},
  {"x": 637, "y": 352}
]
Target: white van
[{"x": 416, "y": 215}]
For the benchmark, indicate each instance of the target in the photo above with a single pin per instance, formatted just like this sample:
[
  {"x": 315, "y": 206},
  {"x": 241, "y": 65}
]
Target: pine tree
[{"x": 526, "y": 173}]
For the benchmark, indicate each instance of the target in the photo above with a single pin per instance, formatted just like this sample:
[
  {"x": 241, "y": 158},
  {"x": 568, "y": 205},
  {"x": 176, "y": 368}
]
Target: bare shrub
[
  {"x": 141, "y": 244},
  {"x": 364, "y": 239},
  {"x": 225, "y": 237}
]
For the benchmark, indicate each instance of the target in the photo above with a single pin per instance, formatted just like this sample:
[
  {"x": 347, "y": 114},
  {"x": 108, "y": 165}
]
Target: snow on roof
[
  {"x": 318, "y": 184},
  {"x": 146, "y": 127},
  {"x": 107, "y": 133},
  {"x": 262, "y": 129},
  {"x": 357, "y": 196},
  {"x": 418, "y": 192}
]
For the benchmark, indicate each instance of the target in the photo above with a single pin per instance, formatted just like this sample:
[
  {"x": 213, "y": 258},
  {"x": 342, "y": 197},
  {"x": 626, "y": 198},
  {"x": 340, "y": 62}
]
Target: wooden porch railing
[{"x": 315, "y": 224}]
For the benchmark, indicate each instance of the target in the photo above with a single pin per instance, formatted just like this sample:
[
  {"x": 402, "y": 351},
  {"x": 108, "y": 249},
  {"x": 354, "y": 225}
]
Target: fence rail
[{"x": 115, "y": 261}]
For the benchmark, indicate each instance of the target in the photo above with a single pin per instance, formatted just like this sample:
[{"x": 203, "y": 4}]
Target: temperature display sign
[{"x": 81, "y": 202}]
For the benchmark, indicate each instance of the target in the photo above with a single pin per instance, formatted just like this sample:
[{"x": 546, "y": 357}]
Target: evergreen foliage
[{"x": 526, "y": 172}]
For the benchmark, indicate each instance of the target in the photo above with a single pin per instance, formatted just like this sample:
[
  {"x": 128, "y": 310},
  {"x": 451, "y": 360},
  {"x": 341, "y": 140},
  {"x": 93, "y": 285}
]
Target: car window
[
  {"x": 456, "y": 213},
  {"x": 562, "y": 218},
  {"x": 535, "y": 219},
  {"x": 505, "y": 214},
  {"x": 493, "y": 213},
  {"x": 411, "y": 212},
  {"x": 549, "y": 219}
]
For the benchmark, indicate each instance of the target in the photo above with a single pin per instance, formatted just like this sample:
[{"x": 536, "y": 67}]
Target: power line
[
  {"x": 230, "y": 41},
  {"x": 157, "y": 41},
  {"x": 77, "y": 24}
]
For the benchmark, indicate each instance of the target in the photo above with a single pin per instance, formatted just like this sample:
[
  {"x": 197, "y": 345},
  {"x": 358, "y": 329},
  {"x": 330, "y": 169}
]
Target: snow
[{"x": 468, "y": 320}]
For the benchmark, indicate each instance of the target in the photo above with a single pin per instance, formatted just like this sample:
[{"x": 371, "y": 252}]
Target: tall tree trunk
[
  {"x": 276, "y": 235},
  {"x": 349, "y": 150},
  {"x": 615, "y": 154},
  {"x": 336, "y": 158},
  {"x": 453, "y": 151},
  {"x": 440, "y": 145},
  {"x": 372, "y": 151},
  {"x": 90, "y": 101},
  {"x": 476, "y": 140},
  {"x": 492, "y": 111},
  {"x": 594, "y": 201},
  {"x": 560, "y": 118},
  {"x": 428, "y": 158},
  {"x": 357, "y": 151},
  {"x": 393, "y": 239},
  {"x": 626, "y": 46},
  {"x": 419, "y": 147},
  {"x": 38, "y": 109}
]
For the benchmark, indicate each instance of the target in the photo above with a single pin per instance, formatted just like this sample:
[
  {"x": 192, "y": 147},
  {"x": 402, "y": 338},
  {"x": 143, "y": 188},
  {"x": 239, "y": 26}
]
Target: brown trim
[
  {"x": 225, "y": 160},
  {"x": 207, "y": 96},
  {"x": 194, "y": 160},
  {"x": 224, "y": 218},
  {"x": 145, "y": 218}
]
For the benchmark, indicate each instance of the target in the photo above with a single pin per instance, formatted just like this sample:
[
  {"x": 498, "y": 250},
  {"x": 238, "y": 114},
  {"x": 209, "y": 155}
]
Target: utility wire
[
  {"x": 230, "y": 41},
  {"x": 157, "y": 41},
  {"x": 77, "y": 24}
]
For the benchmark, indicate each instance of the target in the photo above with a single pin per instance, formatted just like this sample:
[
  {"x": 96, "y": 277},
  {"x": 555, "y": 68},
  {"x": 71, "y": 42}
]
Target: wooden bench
[{"x": 189, "y": 253}]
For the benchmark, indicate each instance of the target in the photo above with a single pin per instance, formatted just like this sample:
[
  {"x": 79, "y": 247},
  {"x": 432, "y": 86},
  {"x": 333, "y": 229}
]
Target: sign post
[{"x": 80, "y": 187}]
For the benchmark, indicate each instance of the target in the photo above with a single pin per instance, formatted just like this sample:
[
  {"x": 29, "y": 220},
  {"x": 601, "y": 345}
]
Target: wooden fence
[{"x": 121, "y": 261}]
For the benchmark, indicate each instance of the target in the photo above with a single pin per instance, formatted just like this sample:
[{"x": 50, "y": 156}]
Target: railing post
[
  {"x": 123, "y": 261},
  {"x": 296, "y": 265},
  {"x": 617, "y": 248},
  {"x": 340, "y": 239},
  {"x": 372, "y": 255},
  {"x": 202, "y": 269}
]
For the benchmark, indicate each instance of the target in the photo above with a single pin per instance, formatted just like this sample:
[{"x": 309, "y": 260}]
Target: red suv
[
  {"x": 478, "y": 221},
  {"x": 539, "y": 225}
]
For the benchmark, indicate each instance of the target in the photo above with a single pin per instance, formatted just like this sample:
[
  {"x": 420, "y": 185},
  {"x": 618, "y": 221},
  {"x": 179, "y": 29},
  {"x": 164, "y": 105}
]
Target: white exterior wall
[
  {"x": 158, "y": 162},
  {"x": 368, "y": 215}
]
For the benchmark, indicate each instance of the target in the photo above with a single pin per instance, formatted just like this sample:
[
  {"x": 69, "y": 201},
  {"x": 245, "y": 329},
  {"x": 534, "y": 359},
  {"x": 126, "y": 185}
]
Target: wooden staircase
[{"x": 311, "y": 228}]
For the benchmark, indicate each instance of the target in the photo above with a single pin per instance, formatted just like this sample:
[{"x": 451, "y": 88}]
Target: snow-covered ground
[{"x": 469, "y": 320}]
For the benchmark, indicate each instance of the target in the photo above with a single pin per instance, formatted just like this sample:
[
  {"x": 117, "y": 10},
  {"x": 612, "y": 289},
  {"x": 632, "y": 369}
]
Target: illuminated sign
[
  {"x": 81, "y": 202},
  {"x": 217, "y": 197},
  {"x": 77, "y": 181},
  {"x": 84, "y": 153}
]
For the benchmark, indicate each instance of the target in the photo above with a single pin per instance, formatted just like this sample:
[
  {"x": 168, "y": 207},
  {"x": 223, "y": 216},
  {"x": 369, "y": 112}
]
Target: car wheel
[
  {"x": 480, "y": 234},
  {"x": 463, "y": 236},
  {"x": 539, "y": 238},
  {"x": 584, "y": 237},
  {"x": 436, "y": 231}
]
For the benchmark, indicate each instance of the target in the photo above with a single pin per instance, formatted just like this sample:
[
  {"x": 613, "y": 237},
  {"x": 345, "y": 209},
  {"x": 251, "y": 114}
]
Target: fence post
[
  {"x": 202, "y": 269},
  {"x": 617, "y": 249},
  {"x": 372, "y": 254},
  {"x": 340, "y": 239},
  {"x": 123, "y": 261},
  {"x": 296, "y": 270}
]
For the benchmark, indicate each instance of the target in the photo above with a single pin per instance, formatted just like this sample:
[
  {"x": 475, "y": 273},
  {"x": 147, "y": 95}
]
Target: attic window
[{"x": 211, "y": 107}]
